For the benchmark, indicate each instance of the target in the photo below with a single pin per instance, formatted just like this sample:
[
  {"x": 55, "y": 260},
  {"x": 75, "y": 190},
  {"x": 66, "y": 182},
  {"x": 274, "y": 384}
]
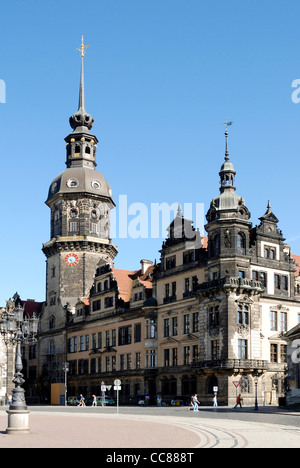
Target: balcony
[
  {"x": 169, "y": 299},
  {"x": 231, "y": 283},
  {"x": 235, "y": 365}
]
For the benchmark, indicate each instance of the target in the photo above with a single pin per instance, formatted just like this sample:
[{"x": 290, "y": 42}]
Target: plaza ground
[{"x": 155, "y": 428}]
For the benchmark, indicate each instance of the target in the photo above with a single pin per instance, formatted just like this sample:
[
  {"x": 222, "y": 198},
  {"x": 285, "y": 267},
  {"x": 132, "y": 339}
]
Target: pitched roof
[
  {"x": 31, "y": 307},
  {"x": 127, "y": 279}
]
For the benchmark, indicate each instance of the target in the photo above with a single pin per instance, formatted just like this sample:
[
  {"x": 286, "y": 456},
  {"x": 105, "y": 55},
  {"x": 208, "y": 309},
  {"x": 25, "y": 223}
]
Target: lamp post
[
  {"x": 16, "y": 330},
  {"x": 256, "y": 382},
  {"x": 66, "y": 368}
]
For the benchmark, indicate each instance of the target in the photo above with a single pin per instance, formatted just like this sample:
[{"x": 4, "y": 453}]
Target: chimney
[{"x": 144, "y": 265}]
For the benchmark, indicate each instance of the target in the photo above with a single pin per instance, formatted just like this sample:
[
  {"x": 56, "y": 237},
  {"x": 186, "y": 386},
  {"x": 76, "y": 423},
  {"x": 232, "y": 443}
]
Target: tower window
[
  {"x": 73, "y": 226},
  {"x": 241, "y": 243},
  {"x": 215, "y": 245}
]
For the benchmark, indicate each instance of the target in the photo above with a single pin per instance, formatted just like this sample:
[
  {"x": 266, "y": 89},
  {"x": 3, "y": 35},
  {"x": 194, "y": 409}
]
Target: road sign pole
[{"x": 117, "y": 386}]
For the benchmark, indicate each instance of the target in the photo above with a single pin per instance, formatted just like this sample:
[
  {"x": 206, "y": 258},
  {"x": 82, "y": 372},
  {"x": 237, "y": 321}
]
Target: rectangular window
[
  {"x": 138, "y": 360},
  {"x": 273, "y": 353},
  {"x": 107, "y": 339},
  {"x": 188, "y": 257},
  {"x": 213, "y": 316},
  {"x": 195, "y": 353},
  {"x": 81, "y": 346},
  {"x": 137, "y": 333},
  {"x": 124, "y": 335},
  {"x": 174, "y": 326},
  {"x": 174, "y": 356},
  {"x": 277, "y": 281},
  {"x": 94, "y": 228},
  {"x": 283, "y": 353},
  {"x": 170, "y": 262},
  {"x": 94, "y": 341},
  {"x": 283, "y": 321},
  {"x": 108, "y": 302},
  {"x": 186, "y": 324},
  {"x": 122, "y": 361},
  {"x": 99, "y": 340},
  {"x": 215, "y": 349},
  {"x": 186, "y": 355},
  {"x": 195, "y": 322},
  {"x": 166, "y": 327},
  {"x": 273, "y": 320},
  {"x": 150, "y": 358},
  {"x": 284, "y": 283},
  {"x": 255, "y": 275},
  {"x": 242, "y": 349},
  {"x": 166, "y": 357},
  {"x": 73, "y": 226},
  {"x": 96, "y": 305},
  {"x": 114, "y": 337}
]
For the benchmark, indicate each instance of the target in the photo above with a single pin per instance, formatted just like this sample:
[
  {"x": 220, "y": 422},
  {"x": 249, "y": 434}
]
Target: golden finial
[{"x": 82, "y": 47}]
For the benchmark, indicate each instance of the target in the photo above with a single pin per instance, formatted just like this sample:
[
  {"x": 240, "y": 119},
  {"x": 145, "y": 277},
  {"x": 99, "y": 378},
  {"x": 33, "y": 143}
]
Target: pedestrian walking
[
  {"x": 81, "y": 402},
  {"x": 94, "y": 400},
  {"x": 191, "y": 403},
  {"x": 195, "y": 402},
  {"x": 239, "y": 400},
  {"x": 215, "y": 401}
]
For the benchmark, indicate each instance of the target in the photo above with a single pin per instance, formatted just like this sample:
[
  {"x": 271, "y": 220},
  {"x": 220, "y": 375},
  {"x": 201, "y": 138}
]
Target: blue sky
[{"x": 161, "y": 77}]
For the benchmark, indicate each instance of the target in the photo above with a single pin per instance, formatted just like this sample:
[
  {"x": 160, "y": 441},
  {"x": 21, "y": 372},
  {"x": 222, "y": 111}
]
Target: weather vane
[
  {"x": 227, "y": 124},
  {"x": 82, "y": 47}
]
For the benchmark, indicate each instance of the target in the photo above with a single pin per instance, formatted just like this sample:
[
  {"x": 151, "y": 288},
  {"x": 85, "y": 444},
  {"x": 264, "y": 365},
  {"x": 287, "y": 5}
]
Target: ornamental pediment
[{"x": 277, "y": 336}]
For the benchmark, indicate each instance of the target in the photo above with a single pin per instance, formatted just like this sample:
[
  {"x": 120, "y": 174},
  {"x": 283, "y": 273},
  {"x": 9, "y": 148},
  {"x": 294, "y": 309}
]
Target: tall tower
[
  {"x": 80, "y": 200},
  {"x": 228, "y": 227}
]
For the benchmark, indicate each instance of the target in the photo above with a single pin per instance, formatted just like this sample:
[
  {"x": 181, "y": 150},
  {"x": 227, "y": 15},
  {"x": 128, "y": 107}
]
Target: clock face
[{"x": 71, "y": 259}]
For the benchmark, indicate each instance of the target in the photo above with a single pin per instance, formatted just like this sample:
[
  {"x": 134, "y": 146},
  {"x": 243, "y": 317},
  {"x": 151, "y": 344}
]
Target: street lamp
[
  {"x": 17, "y": 329},
  {"x": 256, "y": 382},
  {"x": 65, "y": 368}
]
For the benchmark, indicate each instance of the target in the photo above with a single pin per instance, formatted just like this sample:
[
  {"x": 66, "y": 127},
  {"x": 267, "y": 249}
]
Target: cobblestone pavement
[{"x": 56, "y": 427}]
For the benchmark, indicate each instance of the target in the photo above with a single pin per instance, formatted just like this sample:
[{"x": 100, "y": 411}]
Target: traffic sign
[
  {"x": 103, "y": 388},
  {"x": 117, "y": 382},
  {"x": 236, "y": 383},
  {"x": 117, "y": 387}
]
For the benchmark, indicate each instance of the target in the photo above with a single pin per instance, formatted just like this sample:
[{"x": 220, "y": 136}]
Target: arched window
[
  {"x": 52, "y": 323},
  {"x": 241, "y": 243},
  {"x": 215, "y": 245}
]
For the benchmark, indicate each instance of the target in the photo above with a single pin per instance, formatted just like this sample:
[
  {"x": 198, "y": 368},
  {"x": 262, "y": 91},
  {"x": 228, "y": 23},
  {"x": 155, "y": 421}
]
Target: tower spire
[
  {"x": 227, "y": 124},
  {"x": 227, "y": 171},
  {"x": 81, "y": 104},
  {"x": 81, "y": 120}
]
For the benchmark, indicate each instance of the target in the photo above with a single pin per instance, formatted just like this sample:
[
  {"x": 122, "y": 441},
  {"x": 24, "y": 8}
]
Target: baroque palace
[{"x": 213, "y": 311}]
